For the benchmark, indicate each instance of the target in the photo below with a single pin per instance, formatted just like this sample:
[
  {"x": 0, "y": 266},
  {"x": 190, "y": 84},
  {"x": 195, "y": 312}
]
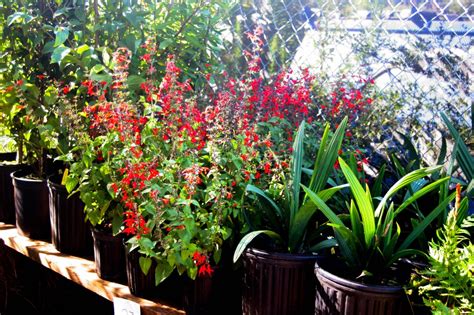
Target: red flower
[
  {"x": 199, "y": 259},
  {"x": 146, "y": 57},
  {"x": 267, "y": 168},
  {"x": 66, "y": 89},
  {"x": 205, "y": 270}
]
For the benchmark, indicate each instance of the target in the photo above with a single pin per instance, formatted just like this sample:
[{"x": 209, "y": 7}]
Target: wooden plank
[{"x": 79, "y": 270}]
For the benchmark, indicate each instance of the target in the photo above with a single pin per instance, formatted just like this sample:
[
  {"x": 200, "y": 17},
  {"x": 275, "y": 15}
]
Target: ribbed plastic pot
[
  {"x": 7, "y": 203},
  {"x": 335, "y": 295},
  {"x": 198, "y": 297},
  {"x": 139, "y": 283},
  {"x": 109, "y": 256},
  {"x": 278, "y": 284},
  {"x": 70, "y": 234},
  {"x": 31, "y": 206}
]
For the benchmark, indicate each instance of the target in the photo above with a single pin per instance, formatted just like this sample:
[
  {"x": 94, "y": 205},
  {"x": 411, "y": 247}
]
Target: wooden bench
[{"x": 79, "y": 270}]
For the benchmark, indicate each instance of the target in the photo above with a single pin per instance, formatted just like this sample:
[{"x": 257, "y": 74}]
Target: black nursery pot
[
  {"x": 198, "y": 297},
  {"x": 278, "y": 284},
  {"x": 31, "y": 206},
  {"x": 139, "y": 283},
  {"x": 109, "y": 256},
  {"x": 336, "y": 295},
  {"x": 7, "y": 203},
  {"x": 70, "y": 234}
]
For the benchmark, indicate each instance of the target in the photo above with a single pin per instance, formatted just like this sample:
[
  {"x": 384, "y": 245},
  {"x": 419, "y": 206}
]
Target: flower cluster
[{"x": 178, "y": 162}]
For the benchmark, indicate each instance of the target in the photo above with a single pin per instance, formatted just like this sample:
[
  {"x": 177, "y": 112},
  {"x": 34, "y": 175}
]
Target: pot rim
[
  {"x": 55, "y": 185},
  {"x": 252, "y": 251},
  {"x": 371, "y": 288},
  {"x": 16, "y": 176}
]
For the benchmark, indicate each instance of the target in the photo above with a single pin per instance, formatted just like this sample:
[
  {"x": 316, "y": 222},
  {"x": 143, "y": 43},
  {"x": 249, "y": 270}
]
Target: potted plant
[
  {"x": 8, "y": 164},
  {"x": 92, "y": 165},
  {"x": 446, "y": 285},
  {"x": 280, "y": 281},
  {"x": 371, "y": 246},
  {"x": 31, "y": 120},
  {"x": 158, "y": 178}
]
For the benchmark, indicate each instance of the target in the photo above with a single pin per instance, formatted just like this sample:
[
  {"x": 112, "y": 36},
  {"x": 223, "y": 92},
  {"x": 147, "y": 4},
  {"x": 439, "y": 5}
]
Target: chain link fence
[{"x": 419, "y": 53}]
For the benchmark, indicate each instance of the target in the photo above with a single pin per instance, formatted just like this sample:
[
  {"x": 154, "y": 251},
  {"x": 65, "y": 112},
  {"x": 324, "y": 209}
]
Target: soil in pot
[
  {"x": 70, "y": 233},
  {"x": 336, "y": 295},
  {"x": 31, "y": 205},
  {"x": 109, "y": 255},
  {"x": 277, "y": 284},
  {"x": 7, "y": 203}
]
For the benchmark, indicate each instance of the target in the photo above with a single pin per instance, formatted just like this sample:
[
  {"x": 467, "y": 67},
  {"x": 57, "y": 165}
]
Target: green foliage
[
  {"x": 51, "y": 47},
  {"x": 463, "y": 156},
  {"x": 289, "y": 215},
  {"x": 371, "y": 243},
  {"x": 447, "y": 285}
]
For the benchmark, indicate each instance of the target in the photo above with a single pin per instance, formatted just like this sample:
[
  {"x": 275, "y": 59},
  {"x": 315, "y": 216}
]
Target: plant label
[{"x": 126, "y": 307}]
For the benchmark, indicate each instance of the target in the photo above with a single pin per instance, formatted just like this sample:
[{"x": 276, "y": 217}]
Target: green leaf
[
  {"x": 59, "y": 53},
  {"x": 82, "y": 49},
  {"x": 134, "y": 82},
  {"x": 106, "y": 57},
  {"x": 244, "y": 242},
  {"x": 50, "y": 95},
  {"x": 377, "y": 186},
  {"x": 426, "y": 221},
  {"x": 62, "y": 33},
  {"x": 462, "y": 211},
  {"x": 304, "y": 215},
  {"x": 420, "y": 193},
  {"x": 442, "y": 152},
  {"x": 349, "y": 245},
  {"x": 101, "y": 78},
  {"x": 165, "y": 43},
  {"x": 364, "y": 203},
  {"x": 330, "y": 215},
  {"x": 261, "y": 193},
  {"x": 332, "y": 242},
  {"x": 465, "y": 160},
  {"x": 326, "y": 157},
  {"x": 403, "y": 253},
  {"x": 18, "y": 17},
  {"x": 71, "y": 183},
  {"x": 162, "y": 271},
  {"x": 412, "y": 154},
  {"x": 98, "y": 68},
  {"x": 297, "y": 160},
  {"x": 402, "y": 182},
  {"x": 116, "y": 224},
  {"x": 145, "y": 264},
  {"x": 356, "y": 223},
  {"x": 390, "y": 245}
]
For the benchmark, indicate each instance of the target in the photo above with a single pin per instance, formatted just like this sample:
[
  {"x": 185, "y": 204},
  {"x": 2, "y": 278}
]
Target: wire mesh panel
[{"x": 420, "y": 55}]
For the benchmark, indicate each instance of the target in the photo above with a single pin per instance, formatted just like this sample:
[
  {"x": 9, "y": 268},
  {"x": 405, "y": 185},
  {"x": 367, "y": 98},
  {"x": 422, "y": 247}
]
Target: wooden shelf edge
[{"x": 78, "y": 270}]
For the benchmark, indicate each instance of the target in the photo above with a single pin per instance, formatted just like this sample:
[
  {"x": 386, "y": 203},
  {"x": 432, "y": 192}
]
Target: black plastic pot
[
  {"x": 31, "y": 206},
  {"x": 7, "y": 203},
  {"x": 109, "y": 256},
  {"x": 198, "y": 297},
  {"x": 139, "y": 283},
  {"x": 70, "y": 234},
  {"x": 278, "y": 284},
  {"x": 335, "y": 295}
]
